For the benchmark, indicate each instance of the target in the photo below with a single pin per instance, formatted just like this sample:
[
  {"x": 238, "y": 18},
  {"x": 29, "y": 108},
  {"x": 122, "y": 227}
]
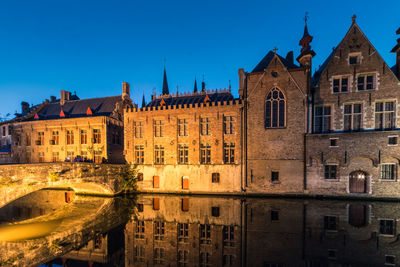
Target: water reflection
[{"x": 215, "y": 231}]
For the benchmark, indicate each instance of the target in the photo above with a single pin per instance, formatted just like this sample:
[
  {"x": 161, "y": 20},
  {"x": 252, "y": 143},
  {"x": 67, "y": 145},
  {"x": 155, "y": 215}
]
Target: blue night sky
[{"x": 92, "y": 46}]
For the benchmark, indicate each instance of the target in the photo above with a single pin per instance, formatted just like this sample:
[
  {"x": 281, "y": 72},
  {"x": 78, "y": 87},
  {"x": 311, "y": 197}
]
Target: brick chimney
[
  {"x": 53, "y": 99},
  {"x": 126, "y": 91},
  {"x": 65, "y": 96},
  {"x": 241, "y": 73},
  {"x": 396, "y": 50},
  {"x": 24, "y": 108}
]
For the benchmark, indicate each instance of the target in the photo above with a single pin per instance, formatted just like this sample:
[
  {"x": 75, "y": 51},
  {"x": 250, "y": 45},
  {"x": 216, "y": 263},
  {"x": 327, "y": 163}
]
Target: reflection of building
[
  {"x": 185, "y": 232},
  {"x": 63, "y": 129},
  {"x": 198, "y": 231}
]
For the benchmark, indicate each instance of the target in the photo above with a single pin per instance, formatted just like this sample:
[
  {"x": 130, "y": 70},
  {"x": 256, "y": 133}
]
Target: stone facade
[
  {"x": 181, "y": 147},
  {"x": 70, "y": 128},
  {"x": 353, "y": 146}
]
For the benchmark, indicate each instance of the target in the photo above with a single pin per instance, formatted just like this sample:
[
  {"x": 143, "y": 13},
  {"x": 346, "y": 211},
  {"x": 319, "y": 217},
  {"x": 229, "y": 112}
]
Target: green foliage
[{"x": 129, "y": 176}]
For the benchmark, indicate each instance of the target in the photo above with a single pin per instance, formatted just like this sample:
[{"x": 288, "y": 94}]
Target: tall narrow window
[
  {"x": 183, "y": 151},
  {"x": 83, "y": 137},
  {"x": 158, "y": 128},
  {"x": 159, "y": 230},
  {"x": 183, "y": 232},
  {"x": 40, "y": 140},
  {"x": 27, "y": 139},
  {"x": 229, "y": 122},
  {"x": 205, "y": 126},
  {"x": 388, "y": 172},
  {"x": 183, "y": 127},
  {"x": 138, "y": 127},
  {"x": 275, "y": 106},
  {"x": 139, "y": 154},
  {"x": 229, "y": 153},
  {"x": 228, "y": 236},
  {"x": 159, "y": 154},
  {"x": 205, "y": 153},
  {"x": 96, "y": 136},
  {"x": 322, "y": 119},
  {"x": 56, "y": 157},
  {"x": 70, "y": 137},
  {"x": 352, "y": 117},
  {"x": 55, "y": 139},
  {"x": 385, "y": 115}
]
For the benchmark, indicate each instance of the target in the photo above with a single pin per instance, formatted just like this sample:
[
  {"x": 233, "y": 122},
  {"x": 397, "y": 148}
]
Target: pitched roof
[
  {"x": 102, "y": 106},
  {"x": 318, "y": 73},
  {"x": 267, "y": 60},
  {"x": 193, "y": 98}
]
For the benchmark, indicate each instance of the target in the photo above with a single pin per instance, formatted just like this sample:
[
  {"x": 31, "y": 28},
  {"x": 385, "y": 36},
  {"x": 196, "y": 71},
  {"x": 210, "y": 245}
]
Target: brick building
[
  {"x": 63, "y": 129},
  {"x": 352, "y": 147},
  {"x": 186, "y": 142}
]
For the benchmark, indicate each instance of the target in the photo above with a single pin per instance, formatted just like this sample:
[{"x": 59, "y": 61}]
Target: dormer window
[
  {"x": 340, "y": 84},
  {"x": 354, "y": 58},
  {"x": 366, "y": 82}
]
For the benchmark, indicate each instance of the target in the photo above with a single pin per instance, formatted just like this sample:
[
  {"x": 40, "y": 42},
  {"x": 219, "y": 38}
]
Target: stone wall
[{"x": 19, "y": 180}]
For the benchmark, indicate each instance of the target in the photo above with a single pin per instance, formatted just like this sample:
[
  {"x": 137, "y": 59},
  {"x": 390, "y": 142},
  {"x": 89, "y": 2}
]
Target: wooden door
[{"x": 358, "y": 182}]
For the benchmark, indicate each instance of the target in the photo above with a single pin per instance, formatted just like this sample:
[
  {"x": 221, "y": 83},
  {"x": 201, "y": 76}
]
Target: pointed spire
[
  {"x": 165, "y": 90},
  {"x": 195, "y": 85},
  {"x": 143, "y": 102},
  {"x": 307, "y": 38}
]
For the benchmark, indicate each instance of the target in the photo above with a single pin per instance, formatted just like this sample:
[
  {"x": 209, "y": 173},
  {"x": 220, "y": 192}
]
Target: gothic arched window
[{"x": 275, "y": 108}]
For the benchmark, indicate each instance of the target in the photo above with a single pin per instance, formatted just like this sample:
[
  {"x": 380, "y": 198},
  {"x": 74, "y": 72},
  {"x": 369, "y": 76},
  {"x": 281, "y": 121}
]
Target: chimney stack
[
  {"x": 126, "y": 91},
  {"x": 241, "y": 74},
  {"x": 24, "y": 108},
  {"x": 203, "y": 86},
  {"x": 65, "y": 96},
  {"x": 53, "y": 99}
]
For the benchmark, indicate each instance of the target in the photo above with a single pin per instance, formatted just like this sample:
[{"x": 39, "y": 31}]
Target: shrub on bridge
[{"x": 129, "y": 177}]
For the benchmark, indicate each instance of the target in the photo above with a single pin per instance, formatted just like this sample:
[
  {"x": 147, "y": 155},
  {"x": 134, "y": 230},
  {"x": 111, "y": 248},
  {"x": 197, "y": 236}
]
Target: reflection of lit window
[
  {"x": 183, "y": 232},
  {"x": 205, "y": 234},
  {"x": 140, "y": 230},
  {"x": 159, "y": 230},
  {"x": 159, "y": 255},
  {"x": 228, "y": 236},
  {"x": 386, "y": 227},
  {"x": 330, "y": 223},
  {"x": 183, "y": 258},
  {"x": 139, "y": 254},
  {"x": 205, "y": 259}
]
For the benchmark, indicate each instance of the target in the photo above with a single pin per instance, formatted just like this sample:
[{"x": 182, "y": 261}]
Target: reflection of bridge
[
  {"x": 19, "y": 180},
  {"x": 62, "y": 231}
]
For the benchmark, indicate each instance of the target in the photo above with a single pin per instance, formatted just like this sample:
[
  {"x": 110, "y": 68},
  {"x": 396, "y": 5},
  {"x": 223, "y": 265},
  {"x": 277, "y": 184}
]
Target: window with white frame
[
  {"x": 322, "y": 119},
  {"x": 366, "y": 82},
  {"x": 158, "y": 128},
  {"x": 183, "y": 152},
  {"x": 354, "y": 58},
  {"x": 385, "y": 115},
  {"x": 341, "y": 84},
  {"x": 388, "y": 171},
  {"x": 352, "y": 117},
  {"x": 138, "y": 128}
]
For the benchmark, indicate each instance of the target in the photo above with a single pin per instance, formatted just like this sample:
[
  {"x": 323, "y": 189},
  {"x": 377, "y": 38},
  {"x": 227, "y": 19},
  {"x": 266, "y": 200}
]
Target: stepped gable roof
[
  {"x": 353, "y": 27},
  {"x": 192, "y": 98},
  {"x": 267, "y": 60},
  {"x": 102, "y": 106}
]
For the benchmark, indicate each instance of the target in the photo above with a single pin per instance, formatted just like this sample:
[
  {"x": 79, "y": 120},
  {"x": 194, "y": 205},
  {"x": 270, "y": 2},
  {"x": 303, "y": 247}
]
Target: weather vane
[{"x": 306, "y": 17}]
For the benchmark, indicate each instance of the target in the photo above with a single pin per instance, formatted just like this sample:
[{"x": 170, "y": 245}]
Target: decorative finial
[
  {"x": 275, "y": 49},
  {"x": 353, "y": 18},
  {"x": 306, "y": 18},
  {"x": 229, "y": 84}
]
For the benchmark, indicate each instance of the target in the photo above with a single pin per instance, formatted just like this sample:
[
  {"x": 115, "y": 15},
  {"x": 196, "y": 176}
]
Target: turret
[{"x": 306, "y": 55}]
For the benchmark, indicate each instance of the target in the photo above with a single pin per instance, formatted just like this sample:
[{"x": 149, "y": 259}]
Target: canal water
[{"x": 58, "y": 228}]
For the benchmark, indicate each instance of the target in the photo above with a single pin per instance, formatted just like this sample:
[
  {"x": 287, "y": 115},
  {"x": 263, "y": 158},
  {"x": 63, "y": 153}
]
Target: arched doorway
[{"x": 358, "y": 182}]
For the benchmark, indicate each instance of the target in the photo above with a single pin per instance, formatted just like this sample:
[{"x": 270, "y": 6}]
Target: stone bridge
[
  {"x": 84, "y": 178},
  {"x": 51, "y": 236}
]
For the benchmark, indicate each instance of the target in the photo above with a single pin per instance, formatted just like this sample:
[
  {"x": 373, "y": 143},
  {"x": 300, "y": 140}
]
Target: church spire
[
  {"x": 143, "y": 102},
  {"x": 195, "y": 85},
  {"x": 306, "y": 53},
  {"x": 165, "y": 90}
]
